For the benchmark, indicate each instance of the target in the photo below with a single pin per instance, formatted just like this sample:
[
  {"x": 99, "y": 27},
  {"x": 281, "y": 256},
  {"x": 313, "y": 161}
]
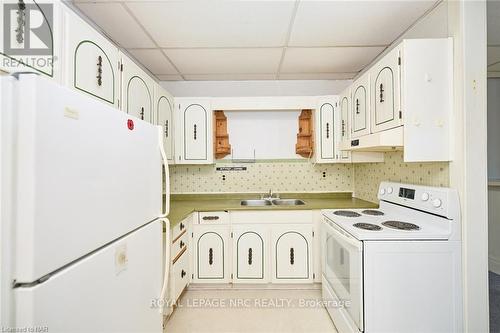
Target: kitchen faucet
[{"x": 270, "y": 195}]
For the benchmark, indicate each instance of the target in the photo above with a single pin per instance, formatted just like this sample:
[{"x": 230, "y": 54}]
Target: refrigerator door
[
  {"x": 86, "y": 174},
  {"x": 112, "y": 290}
]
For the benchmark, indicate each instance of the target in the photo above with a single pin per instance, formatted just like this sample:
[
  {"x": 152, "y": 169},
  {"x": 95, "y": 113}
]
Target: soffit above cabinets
[{"x": 254, "y": 40}]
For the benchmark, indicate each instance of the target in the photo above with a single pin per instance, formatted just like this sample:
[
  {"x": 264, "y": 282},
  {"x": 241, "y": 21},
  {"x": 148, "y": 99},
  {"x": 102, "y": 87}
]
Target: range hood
[{"x": 388, "y": 140}]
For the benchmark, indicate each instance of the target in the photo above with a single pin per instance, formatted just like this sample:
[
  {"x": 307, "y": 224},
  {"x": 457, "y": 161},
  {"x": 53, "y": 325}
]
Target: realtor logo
[{"x": 27, "y": 29}]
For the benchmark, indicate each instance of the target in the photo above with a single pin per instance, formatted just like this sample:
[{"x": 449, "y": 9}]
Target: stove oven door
[{"x": 342, "y": 270}]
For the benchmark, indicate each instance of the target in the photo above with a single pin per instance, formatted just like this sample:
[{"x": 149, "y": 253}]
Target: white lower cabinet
[
  {"x": 292, "y": 253},
  {"x": 180, "y": 275},
  {"x": 211, "y": 253},
  {"x": 250, "y": 251}
]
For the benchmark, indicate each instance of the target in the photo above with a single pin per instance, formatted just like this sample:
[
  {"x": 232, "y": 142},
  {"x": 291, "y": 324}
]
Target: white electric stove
[{"x": 396, "y": 268}]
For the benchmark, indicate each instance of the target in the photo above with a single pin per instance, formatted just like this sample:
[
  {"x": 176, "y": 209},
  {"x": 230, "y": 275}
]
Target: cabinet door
[
  {"x": 250, "y": 250},
  {"x": 137, "y": 91},
  {"x": 196, "y": 132},
  {"x": 164, "y": 118},
  {"x": 345, "y": 126},
  {"x": 361, "y": 107},
  {"x": 386, "y": 93},
  {"x": 211, "y": 253},
  {"x": 326, "y": 120},
  {"x": 30, "y": 37},
  {"x": 91, "y": 62},
  {"x": 291, "y": 246}
]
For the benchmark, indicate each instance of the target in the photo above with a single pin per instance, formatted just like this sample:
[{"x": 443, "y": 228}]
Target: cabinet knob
[
  {"x": 142, "y": 113},
  {"x": 166, "y": 128},
  {"x": 210, "y": 256},
  {"x": 327, "y": 130},
  {"x": 183, "y": 273},
  {"x": 292, "y": 256},
  {"x": 181, "y": 244},
  {"x": 194, "y": 131},
  {"x": 357, "y": 106},
  {"x": 181, "y": 226},
  {"x": 381, "y": 95},
  {"x": 99, "y": 71},
  {"x": 250, "y": 256},
  {"x": 210, "y": 218}
]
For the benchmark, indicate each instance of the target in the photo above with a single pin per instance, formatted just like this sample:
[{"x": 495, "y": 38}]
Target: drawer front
[
  {"x": 179, "y": 228},
  {"x": 179, "y": 245},
  {"x": 180, "y": 275},
  {"x": 213, "y": 218}
]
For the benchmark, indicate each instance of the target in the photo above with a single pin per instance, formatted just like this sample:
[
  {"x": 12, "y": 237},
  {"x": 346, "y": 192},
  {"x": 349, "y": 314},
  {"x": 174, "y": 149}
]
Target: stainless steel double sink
[{"x": 271, "y": 202}]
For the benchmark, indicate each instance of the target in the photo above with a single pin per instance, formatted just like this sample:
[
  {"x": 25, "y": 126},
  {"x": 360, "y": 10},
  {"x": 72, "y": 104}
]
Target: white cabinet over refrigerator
[
  {"x": 137, "y": 90},
  {"x": 91, "y": 61},
  {"x": 81, "y": 234}
]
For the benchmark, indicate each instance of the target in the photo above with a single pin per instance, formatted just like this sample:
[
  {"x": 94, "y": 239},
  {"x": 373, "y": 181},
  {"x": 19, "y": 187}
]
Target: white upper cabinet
[
  {"x": 32, "y": 32},
  {"x": 195, "y": 132},
  {"x": 92, "y": 61},
  {"x": 326, "y": 129},
  {"x": 164, "y": 114},
  {"x": 361, "y": 107},
  {"x": 345, "y": 123},
  {"x": 137, "y": 91},
  {"x": 385, "y": 92}
]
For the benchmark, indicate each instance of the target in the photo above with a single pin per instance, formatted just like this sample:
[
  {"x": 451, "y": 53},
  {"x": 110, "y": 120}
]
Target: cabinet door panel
[
  {"x": 195, "y": 132},
  {"x": 138, "y": 99},
  {"x": 361, "y": 107},
  {"x": 292, "y": 253},
  {"x": 165, "y": 119},
  {"x": 137, "y": 91},
  {"x": 93, "y": 71},
  {"x": 327, "y": 147},
  {"x": 250, "y": 253},
  {"x": 386, "y": 93},
  {"x": 30, "y": 36},
  {"x": 211, "y": 253}
]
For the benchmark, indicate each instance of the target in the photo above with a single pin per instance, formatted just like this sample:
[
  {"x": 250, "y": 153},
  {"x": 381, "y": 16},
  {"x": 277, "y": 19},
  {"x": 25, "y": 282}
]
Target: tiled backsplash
[
  {"x": 291, "y": 176},
  {"x": 369, "y": 175},
  {"x": 261, "y": 176}
]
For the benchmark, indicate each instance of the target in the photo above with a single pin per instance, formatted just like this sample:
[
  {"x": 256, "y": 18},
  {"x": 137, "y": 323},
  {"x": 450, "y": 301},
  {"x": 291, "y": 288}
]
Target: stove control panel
[{"x": 437, "y": 200}]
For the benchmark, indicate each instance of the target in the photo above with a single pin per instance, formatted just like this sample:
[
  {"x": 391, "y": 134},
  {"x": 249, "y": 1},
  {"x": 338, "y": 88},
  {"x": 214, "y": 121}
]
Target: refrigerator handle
[
  {"x": 164, "y": 288},
  {"x": 166, "y": 184}
]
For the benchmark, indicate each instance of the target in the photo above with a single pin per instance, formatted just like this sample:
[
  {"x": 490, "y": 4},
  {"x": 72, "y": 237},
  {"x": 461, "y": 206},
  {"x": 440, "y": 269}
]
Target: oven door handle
[{"x": 344, "y": 236}]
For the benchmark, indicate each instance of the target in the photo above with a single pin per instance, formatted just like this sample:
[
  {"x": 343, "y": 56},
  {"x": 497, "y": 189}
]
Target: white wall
[{"x": 255, "y": 88}]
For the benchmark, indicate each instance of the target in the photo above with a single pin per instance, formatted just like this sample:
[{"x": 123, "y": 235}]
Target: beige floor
[{"x": 250, "y": 311}]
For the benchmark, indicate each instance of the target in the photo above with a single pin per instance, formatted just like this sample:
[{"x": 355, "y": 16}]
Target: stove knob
[
  {"x": 436, "y": 203},
  {"x": 389, "y": 190},
  {"x": 382, "y": 191},
  {"x": 425, "y": 196}
]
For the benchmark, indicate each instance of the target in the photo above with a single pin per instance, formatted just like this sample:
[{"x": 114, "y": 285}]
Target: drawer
[
  {"x": 180, "y": 244},
  {"x": 180, "y": 227},
  {"x": 180, "y": 275},
  {"x": 213, "y": 218}
]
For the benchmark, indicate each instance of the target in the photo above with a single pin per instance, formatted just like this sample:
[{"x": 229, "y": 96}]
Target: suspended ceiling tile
[
  {"x": 117, "y": 23},
  {"x": 154, "y": 60},
  {"x": 344, "y": 23},
  {"x": 220, "y": 24},
  {"x": 317, "y": 76},
  {"x": 328, "y": 60},
  {"x": 229, "y": 77},
  {"x": 225, "y": 61}
]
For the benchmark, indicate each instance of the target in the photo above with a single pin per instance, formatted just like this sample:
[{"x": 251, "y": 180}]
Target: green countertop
[{"x": 181, "y": 205}]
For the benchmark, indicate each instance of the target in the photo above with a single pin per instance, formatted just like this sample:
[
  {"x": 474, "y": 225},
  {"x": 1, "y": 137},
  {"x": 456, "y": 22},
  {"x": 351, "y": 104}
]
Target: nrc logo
[{"x": 27, "y": 29}]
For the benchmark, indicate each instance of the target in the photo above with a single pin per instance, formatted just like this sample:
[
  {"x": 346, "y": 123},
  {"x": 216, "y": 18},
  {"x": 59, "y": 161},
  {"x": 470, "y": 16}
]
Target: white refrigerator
[{"x": 82, "y": 212}]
